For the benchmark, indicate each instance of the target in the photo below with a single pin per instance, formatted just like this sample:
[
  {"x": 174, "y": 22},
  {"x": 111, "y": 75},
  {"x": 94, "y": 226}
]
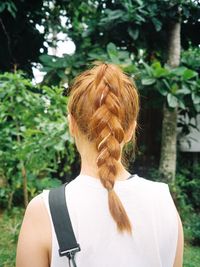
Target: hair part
[{"x": 104, "y": 102}]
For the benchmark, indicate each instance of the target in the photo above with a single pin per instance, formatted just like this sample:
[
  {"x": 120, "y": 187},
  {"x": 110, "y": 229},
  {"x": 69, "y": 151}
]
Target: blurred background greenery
[{"x": 44, "y": 45}]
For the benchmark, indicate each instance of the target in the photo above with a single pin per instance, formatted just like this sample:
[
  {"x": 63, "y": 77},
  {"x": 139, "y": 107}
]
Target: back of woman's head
[{"x": 104, "y": 103}]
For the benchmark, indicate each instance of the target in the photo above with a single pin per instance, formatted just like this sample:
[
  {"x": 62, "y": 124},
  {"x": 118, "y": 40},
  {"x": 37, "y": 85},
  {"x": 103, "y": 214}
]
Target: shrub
[
  {"x": 187, "y": 194},
  {"x": 34, "y": 138},
  {"x": 192, "y": 229}
]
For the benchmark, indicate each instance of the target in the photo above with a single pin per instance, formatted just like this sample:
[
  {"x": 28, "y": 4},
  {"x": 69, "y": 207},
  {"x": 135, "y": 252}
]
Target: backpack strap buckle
[{"x": 70, "y": 253}]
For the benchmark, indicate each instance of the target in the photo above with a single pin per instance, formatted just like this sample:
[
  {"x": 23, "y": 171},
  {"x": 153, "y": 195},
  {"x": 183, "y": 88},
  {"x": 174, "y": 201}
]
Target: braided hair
[{"x": 104, "y": 103}]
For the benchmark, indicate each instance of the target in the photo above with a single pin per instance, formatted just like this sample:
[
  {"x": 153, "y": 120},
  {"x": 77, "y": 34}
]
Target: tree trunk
[
  {"x": 25, "y": 190},
  {"x": 23, "y": 171},
  {"x": 167, "y": 166}
]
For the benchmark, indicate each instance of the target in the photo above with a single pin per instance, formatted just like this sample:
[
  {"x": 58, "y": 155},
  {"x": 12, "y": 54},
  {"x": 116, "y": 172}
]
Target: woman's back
[{"x": 152, "y": 214}]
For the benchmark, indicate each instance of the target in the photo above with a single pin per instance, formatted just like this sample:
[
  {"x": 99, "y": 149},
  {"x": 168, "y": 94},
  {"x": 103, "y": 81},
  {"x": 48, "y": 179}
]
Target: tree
[
  {"x": 20, "y": 41},
  {"x": 132, "y": 26}
]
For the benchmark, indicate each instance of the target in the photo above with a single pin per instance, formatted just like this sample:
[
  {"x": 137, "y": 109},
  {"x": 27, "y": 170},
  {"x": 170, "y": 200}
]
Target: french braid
[{"x": 109, "y": 96}]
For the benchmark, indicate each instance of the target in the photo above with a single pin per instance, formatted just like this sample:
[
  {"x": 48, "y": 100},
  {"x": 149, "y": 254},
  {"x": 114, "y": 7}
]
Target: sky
[{"x": 64, "y": 46}]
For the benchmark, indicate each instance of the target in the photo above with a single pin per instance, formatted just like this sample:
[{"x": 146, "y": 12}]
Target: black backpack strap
[{"x": 68, "y": 245}]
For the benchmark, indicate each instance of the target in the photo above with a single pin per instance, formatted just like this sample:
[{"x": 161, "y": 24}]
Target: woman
[{"x": 117, "y": 221}]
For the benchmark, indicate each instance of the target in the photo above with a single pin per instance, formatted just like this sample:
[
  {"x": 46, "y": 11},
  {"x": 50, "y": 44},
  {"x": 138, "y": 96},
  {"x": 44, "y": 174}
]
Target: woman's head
[{"x": 104, "y": 104}]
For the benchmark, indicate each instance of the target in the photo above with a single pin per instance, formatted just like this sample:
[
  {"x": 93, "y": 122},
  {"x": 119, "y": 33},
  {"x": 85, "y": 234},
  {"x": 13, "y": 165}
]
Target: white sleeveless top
[{"x": 151, "y": 211}]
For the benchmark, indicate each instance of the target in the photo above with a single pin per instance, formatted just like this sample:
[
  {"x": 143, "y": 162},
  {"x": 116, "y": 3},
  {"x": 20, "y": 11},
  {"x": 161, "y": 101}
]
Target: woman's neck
[
  {"x": 89, "y": 167},
  {"x": 89, "y": 155}
]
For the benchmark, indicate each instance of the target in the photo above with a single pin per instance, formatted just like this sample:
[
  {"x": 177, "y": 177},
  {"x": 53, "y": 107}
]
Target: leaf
[
  {"x": 139, "y": 19},
  {"x": 113, "y": 53},
  {"x": 156, "y": 64},
  {"x": 157, "y": 23},
  {"x": 183, "y": 91},
  {"x": 61, "y": 74},
  {"x": 134, "y": 33},
  {"x": 111, "y": 16},
  {"x": 160, "y": 72},
  {"x": 19, "y": 99},
  {"x": 2, "y": 7},
  {"x": 112, "y": 49},
  {"x": 181, "y": 104},
  {"x": 178, "y": 71},
  {"x": 12, "y": 9},
  {"x": 147, "y": 68},
  {"x": 48, "y": 60},
  {"x": 172, "y": 101},
  {"x": 162, "y": 91},
  {"x": 123, "y": 55},
  {"x": 195, "y": 99},
  {"x": 188, "y": 74},
  {"x": 148, "y": 81},
  {"x": 59, "y": 146},
  {"x": 166, "y": 83},
  {"x": 129, "y": 68},
  {"x": 140, "y": 3},
  {"x": 174, "y": 88},
  {"x": 197, "y": 108}
]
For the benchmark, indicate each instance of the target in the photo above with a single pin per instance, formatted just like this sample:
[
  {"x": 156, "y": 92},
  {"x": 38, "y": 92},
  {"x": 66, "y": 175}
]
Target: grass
[
  {"x": 191, "y": 256},
  {"x": 10, "y": 223}
]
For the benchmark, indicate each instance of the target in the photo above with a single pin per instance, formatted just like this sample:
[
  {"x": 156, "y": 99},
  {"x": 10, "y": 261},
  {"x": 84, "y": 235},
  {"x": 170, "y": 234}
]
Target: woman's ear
[
  {"x": 71, "y": 124},
  {"x": 130, "y": 133}
]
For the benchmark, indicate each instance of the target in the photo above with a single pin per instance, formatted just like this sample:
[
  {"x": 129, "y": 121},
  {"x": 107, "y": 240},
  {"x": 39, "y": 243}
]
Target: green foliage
[
  {"x": 188, "y": 179},
  {"x": 187, "y": 192},
  {"x": 192, "y": 229},
  {"x": 10, "y": 222},
  {"x": 34, "y": 134},
  {"x": 131, "y": 25},
  {"x": 9, "y": 6},
  {"x": 38, "y": 185},
  {"x": 154, "y": 175},
  {"x": 180, "y": 86},
  {"x": 191, "y": 256},
  {"x": 191, "y": 58},
  {"x": 94, "y": 27},
  {"x": 20, "y": 40},
  {"x": 61, "y": 70}
]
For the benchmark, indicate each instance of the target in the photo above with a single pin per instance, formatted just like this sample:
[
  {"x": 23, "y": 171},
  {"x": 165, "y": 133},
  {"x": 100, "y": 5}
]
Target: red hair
[{"x": 104, "y": 103}]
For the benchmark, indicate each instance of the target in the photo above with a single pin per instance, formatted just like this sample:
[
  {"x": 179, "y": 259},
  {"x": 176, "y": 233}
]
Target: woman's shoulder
[
  {"x": 147, "y": 183},
  {"x": 156, "y": 191},
  {"x": 35, "y": 234},
  {"x": 35, "y": 205},
  {"x": 36, "y": 212}
]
